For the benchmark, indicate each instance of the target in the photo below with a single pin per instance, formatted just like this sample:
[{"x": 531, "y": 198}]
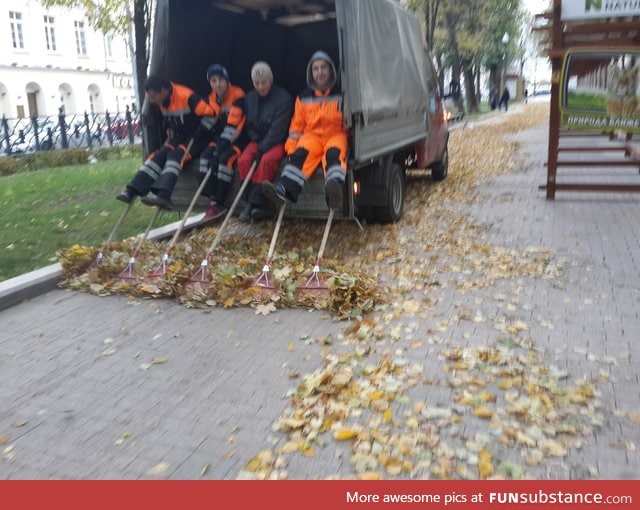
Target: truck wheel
[
  {"x": 440, "y": 169},
  {"x": 392, "y": 211}
]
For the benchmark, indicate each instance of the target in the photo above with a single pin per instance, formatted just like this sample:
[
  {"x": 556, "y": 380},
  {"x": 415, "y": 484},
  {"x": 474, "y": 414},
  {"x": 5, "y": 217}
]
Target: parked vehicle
[{"x": 394, "y": 123}]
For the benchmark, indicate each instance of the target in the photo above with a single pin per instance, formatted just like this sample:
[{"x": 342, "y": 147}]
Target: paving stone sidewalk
[{"x": 113, "y": 388}]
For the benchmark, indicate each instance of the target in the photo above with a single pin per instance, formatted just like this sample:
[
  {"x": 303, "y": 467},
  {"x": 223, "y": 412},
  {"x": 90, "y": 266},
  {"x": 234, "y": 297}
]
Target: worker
[
  {"x": 185, "y": 116},
  {"x": 316, "y": 135},
  {"x": 228, "y": 101},
  {"x": 268, "y": 109}
]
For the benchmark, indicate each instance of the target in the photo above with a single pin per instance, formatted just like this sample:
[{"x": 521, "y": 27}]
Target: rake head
[
  {"x": 98, "y": 260},
  {"x": 161, "y": 270},
  {"x": 129, "y": 273},
  {"x": 315, "y": 285},
  {"x": 264, "y": 284},
  {"x": 202, "y": 274}
]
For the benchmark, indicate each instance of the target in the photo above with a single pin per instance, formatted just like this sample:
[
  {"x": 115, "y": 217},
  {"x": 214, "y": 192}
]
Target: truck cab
[{"x": 390, "y": 101}]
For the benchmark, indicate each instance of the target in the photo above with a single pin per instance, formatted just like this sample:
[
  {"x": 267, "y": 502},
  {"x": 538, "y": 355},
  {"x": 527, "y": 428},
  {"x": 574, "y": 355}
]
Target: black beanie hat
[{"x": 217, "y": 70}]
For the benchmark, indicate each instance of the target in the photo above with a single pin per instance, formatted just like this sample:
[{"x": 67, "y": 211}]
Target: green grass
[
  {"x": 586, "y": 101},
  {"x": 48, "y": 210}
]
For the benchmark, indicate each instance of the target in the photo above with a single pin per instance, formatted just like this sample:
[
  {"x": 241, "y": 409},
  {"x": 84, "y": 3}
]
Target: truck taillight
[{"x": 356, "y": 188}]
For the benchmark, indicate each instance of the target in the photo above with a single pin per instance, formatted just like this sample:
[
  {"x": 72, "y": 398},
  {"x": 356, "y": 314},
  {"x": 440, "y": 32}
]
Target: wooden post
[{"x": 554, "y": 116}]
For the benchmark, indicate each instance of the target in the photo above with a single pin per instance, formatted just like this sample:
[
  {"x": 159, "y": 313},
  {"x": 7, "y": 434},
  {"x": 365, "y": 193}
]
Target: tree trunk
[
  {"x": 472, "y": 100},
  {"x": 141, "y": 21},
  {"x": 478, "y": 72}
]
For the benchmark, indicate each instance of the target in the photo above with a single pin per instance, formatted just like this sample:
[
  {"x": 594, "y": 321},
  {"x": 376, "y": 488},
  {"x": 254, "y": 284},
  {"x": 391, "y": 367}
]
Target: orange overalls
[
  {"x": 227, "y": 144},
  {"x": 316, "y": 135},
  {"x": 183, "y": 112}
]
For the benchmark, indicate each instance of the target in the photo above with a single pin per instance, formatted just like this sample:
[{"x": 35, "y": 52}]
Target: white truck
[{"x": 391, "y": 103}]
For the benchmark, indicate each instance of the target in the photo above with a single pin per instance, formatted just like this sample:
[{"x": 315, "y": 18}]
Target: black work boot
[
  {"x": 333, "y": 190},
  {"x": 127, "y": 196},
  {"x": 162, "y": 200},
  {"x": 245, "y": 215}
]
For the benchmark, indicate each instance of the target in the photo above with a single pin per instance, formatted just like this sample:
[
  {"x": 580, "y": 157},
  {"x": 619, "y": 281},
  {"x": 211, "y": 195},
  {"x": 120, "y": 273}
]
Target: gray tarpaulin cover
[{"x": 383, "y": 68}]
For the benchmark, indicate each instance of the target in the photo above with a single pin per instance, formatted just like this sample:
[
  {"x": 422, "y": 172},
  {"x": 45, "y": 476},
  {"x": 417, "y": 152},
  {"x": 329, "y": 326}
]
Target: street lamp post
[{"x": 503, "y": 77}]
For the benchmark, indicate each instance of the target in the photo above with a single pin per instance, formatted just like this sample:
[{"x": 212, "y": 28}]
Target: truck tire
[
  {"x": 392, "y": 210},
  {"x": 440, "y": 169}
]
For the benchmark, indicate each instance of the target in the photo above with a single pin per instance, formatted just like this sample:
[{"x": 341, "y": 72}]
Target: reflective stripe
[
  {"x": 176, "y": 113},
  {"x": 293, "y": 173},
  {"x": 336, "y": 172},
  {"x": 295, "y": 135},
  {"x": 153, "y": 166},
  {"x": 209, "y": 122},
  {"x": 172, "y": 167},
  {"x": 335, "y": 97},
  {"x": 145, "y": 169},
  {"x": 230, "y": 133},
  {"x": 225, "y": 174},
  {"x": 204, "y": 165}
]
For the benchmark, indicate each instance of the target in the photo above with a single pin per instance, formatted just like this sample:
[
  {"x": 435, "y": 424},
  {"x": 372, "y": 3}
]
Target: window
[
  {"x": 81, "y": 43},
  {"x": 108, "y": 46},
  {"x": 16, "y": 30},
  {"x": 49, "y": 33}
]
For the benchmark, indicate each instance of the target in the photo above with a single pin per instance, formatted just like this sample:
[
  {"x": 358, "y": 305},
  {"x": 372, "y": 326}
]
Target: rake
[
  {"x": 202, "y": 274},
  {"x": 100, "y": 256},
  {"x": 161, "y": 269},
  {"x": 129, "y": 273},
  {"x": 315, "y": 285},
  {"x": 265, "y": 281}
]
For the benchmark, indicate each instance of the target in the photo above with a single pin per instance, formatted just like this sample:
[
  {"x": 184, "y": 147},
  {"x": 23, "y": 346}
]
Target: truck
[{"x": 391, "y": 103}]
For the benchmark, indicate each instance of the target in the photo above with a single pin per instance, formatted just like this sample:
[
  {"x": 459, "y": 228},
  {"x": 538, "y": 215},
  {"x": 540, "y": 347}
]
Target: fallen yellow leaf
[{"x": 485, "y": 466}]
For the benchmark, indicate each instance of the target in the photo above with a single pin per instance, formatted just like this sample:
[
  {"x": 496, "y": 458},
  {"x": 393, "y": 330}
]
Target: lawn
[{"x": 47, "y": 210}]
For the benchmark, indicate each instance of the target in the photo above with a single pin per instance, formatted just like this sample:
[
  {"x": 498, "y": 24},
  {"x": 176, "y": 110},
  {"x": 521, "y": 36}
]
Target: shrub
[
  {"x": 52, "y": 159},
  {"x": 118, "y": 152},
  {"x": 8, "y": 165}
]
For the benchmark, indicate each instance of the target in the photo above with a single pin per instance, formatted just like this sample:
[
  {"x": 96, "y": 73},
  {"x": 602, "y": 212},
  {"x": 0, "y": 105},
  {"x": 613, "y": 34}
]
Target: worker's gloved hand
[{"x": 257, "y": 157}]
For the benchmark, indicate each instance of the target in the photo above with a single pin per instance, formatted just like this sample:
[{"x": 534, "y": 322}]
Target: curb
[{"x": 29, "y": 285}]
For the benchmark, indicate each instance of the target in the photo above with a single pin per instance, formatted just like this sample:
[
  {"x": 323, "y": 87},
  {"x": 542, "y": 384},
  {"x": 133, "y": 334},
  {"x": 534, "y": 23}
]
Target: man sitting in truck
[
  {"x": 185, "y": 115},
  {"x": 316, "y": 135},
  {"x": 269, "y": 109},
  {"x": 228, "y": 101}
]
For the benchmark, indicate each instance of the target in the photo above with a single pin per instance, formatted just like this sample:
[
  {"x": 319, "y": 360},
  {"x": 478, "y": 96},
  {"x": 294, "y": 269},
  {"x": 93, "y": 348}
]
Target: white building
[{"x": 52, "y": 58}]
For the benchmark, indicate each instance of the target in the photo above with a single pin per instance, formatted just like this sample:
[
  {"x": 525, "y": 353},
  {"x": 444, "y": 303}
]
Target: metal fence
[{"x": 23, "y": 136}]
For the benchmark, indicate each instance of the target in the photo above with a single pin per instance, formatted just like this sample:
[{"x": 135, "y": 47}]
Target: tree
[
  {"x": 115, "y": 17},
  {"x": 465, "y": 35}
]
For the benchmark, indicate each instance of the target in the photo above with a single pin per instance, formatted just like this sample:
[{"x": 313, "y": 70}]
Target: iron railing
[{"x": 90, "y": 130}]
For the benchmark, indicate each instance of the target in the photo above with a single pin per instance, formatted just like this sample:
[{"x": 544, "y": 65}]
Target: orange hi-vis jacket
[
  {"x": 317, "y": 112},
  {"x": 230, "y": 117},
  {"x": 183, "y": 110}
]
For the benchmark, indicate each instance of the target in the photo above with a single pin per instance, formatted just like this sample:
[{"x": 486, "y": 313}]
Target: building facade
[{"x": 52, "y": 61}]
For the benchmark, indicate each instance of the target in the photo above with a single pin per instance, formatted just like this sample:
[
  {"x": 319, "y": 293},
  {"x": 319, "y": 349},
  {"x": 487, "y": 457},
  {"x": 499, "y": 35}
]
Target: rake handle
[
  {"x": 325, "y": 236},
  {"x": 174, "y": 239},
  {"x": 276, "y": 230},
  {"x": 119, "y": 222},
  {"x": 155, "y": 217},
  {"x": 245, "y": 183}
]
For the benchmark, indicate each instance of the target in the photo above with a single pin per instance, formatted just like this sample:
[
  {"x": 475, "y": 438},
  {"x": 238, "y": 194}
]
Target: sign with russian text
[
  {"x": 591, "y": 9},
  {"x": 600, "y": 90}
]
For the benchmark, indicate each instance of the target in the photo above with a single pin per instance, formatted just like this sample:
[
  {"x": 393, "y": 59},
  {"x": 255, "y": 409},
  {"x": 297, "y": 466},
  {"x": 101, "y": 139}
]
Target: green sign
[
  {"x": 600, "y": 90},
  {"x": 591, "y": 9}
]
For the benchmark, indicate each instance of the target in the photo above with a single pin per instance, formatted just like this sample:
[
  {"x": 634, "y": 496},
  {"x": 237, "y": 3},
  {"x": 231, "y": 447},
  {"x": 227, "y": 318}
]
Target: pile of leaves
[{"x": 226, "y": 280}]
